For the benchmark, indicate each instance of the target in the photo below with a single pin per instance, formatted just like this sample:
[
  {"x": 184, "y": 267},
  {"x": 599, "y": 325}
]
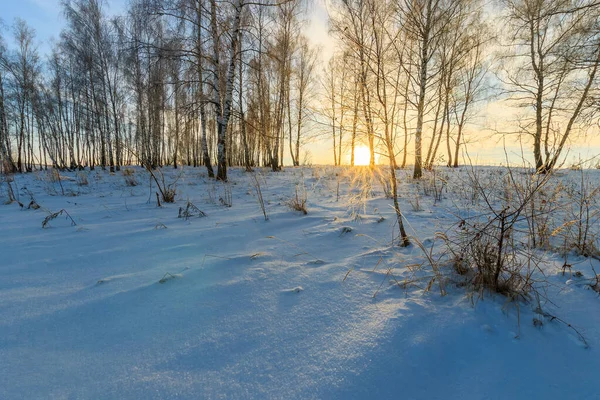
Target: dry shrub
[
  {"x": 540, "y": 219},
  {"x": 53, "y": 176},
  {"x": 51, "y": 216},
  {"x": 220, "y": 193},
  {"x": 168, "y": 191},
  {"x": 256, "y": 179},
  {"x": 594, "y": 283},
  {"x": 168, "y": 195},
  {"x": 190, "y": 211},
  {"x": 7, "y": 176},
  {"x": 82, "y": 179},
  {"x": 6, "y": 170},
  {"x": 298, "y": 201},
  {"x": 435, "y": 185},
  {"x": 580, "y": 229},
  {"x": 361, "y": 189},
  {"x": 226, "y": 197},
  {"x": 492, "y": 248},
  {"x": 129, "y": 177},
  {"x": 415, "y": 202},
  {"x": 385, "y": 179},
  {"x": 211, "y": 193},
  {"x": 492, "y": 259}
]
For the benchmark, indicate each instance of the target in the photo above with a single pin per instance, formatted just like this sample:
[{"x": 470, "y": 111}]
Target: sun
[{"x": 362, "y": 155}]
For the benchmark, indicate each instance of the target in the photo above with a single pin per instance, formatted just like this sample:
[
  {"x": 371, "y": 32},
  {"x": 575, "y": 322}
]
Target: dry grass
[
  {"x": 384, "y": 179},
  {"x": 168, "y": 195},
  {"x": 491, "y": 248},
  {"x": 256, "y": 184},
  {"x": 168, "y": 191},
  {"x": 53, "y": 176},
  {"x": 435, "y": 185},
  {"x": 7, "y": 176},
  {"x": 298, "y": 201},
  {"x": 129, "y": 177},
  {"x": 82, "y": 179},
  {"x": 190, "y": 211},
  {"x": 415, "y": 202},
  {"x": 51, "y": 216},
  {"x": 226, "y": 196},
  {"x": 580, "y": 231}
]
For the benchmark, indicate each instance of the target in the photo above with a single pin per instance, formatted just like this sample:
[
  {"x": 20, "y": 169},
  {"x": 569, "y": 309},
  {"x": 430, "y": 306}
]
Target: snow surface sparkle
[{"x": 256, "y": 309}]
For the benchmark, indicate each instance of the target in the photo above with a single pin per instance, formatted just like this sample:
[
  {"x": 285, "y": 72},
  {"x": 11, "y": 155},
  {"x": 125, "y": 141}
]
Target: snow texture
[{"x": 135, "y": 303}]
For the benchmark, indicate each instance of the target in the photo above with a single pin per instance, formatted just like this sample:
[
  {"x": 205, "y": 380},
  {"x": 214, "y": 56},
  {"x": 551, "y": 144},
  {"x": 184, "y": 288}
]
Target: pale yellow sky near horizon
[{"x": 483, "y": 145}]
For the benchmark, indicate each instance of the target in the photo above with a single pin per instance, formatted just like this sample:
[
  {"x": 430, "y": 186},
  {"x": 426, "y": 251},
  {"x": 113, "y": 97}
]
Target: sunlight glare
[{"x": 362, "y": 155}]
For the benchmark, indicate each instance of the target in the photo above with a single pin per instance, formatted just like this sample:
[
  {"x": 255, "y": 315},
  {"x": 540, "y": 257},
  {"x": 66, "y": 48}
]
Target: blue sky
[{"x": 45, "y": 16}]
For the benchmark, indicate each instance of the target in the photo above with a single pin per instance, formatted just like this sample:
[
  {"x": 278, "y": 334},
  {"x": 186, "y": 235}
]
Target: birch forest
[{"x": 239, "y": 83}]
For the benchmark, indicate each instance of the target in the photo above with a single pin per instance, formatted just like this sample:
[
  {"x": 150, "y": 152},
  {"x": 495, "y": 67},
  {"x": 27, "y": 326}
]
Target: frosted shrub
[{"x": 492, "y": 249}]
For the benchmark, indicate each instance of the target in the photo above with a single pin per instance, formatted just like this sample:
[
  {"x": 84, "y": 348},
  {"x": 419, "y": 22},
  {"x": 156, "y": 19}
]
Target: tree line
[
  {"x": 195, "y": 82},
  {"x": 202, "y": 82}
]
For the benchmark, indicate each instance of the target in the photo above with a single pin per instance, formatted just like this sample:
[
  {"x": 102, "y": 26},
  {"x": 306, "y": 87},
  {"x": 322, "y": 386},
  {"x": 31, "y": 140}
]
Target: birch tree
[
  {"x": 425, "y": 23},
  {"x": 555, "y": 69}
]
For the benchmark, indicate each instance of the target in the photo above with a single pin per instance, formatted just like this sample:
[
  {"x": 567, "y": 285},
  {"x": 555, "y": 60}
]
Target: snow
[{"x": 135, "y": 303}]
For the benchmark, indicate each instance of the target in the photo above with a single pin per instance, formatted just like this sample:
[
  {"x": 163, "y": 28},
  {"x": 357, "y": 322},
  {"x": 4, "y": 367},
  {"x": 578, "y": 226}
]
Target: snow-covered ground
[{"x": 133, "y": 302}]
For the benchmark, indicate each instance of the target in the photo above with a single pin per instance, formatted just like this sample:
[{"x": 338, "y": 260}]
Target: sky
[{"x": 45, "y": 16}]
